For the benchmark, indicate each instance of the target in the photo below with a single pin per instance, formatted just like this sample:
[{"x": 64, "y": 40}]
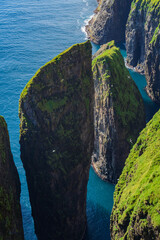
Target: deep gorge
[{"x": 99, "y": 201}]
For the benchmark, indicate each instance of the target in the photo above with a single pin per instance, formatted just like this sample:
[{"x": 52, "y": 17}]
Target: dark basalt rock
[
  {"x": 136, "y": 210},
  {"x": 57, "y": 134},
  {"x": 142, "y": 43},
  {"x": 119, "y": 112},
  {"x": 109, "y": 21},
  {"x": 11, "y": 227}
]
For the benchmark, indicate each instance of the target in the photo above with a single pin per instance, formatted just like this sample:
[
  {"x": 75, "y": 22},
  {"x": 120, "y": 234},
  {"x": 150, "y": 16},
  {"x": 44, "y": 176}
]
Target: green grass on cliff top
[
  {"x": 127, "y": 101},
  {"x": 147, "y": 5},
  {"x": 55, "y": 60},
  {"x": 155, "y": 35},
  {"x": 150, "y": 6},
  {"x": 138, "y": 189}
]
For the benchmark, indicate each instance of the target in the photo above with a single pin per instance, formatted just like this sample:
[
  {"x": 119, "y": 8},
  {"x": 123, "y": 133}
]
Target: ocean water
[{"x": 31, "y": 34}]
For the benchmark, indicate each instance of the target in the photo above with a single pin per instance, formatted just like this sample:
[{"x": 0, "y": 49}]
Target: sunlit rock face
[
  {"x": 119, "y": 112},
  {"x": 109, "y": 21}
]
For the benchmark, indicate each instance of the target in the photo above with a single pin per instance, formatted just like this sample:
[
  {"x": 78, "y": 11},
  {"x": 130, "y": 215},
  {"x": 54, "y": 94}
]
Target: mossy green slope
[
  {"x": 122, "y": 88},
  {"x": 150, "y": 7},
  {"x": 136, "y": 210},
  {"x": 118, "y": 108},
  {"x": 47, "y": 74},
  {"x": 10, "y": 212}
]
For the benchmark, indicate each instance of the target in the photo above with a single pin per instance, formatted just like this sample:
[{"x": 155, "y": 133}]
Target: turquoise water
[
  {"x": 31, "y": 34},
  {"x": 150, "y": 107},
  {"x": 99, "y": 206}
]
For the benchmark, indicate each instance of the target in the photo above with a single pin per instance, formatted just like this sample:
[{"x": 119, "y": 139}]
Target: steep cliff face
[
  {"x": 119, "y": 112},
  {"x": 10, "y": 211},
  {"x": 109, "y": 21},
  {"x": 152, "y": 68},
  {"x": 56, "y": 114},
  {"x": 142, "y": 42},
  {"x": 136, "y": 210}
]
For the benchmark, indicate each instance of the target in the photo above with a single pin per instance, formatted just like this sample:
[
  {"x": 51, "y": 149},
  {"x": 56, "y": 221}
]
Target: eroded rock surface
[
  {"x": 142, "y": 42},
  {"x": 153, "y": 68},
  {"x": 119, "y": 112},
  {"x": 57, "y": 134},
  {"x": 109, "y": 21}
]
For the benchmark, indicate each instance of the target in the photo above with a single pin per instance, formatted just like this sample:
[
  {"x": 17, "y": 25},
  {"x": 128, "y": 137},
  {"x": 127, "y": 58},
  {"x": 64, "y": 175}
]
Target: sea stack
[
  {"x": 136, "y": 210},
  {"x": 11, "y": 227},
  {"x": 119, "y": 112},
  {"x": 56, "y": 138}
]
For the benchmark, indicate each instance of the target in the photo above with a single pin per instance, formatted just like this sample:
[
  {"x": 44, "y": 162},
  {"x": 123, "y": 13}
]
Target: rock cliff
[
  {"x": 119, "y": 112},
  {"x": 109, "y": 21},
  {"x": 142, "y": 42},
  {"x": 152, "y": 68},
  {"x": 56, "y": 137},
  {"x": 139, "y": 20},
  {"x": 136, "y": 210},
  {"x": 10, "y": 211}
]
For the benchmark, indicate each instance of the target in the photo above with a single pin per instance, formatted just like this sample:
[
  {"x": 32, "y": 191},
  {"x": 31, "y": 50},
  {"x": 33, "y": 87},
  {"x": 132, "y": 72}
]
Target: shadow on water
[
  {"x": 150, "y": 107},
  {"x": 99, "y": 207},
  {"x": 98, "y": 222},
  {"x": 28, "y": 223}
]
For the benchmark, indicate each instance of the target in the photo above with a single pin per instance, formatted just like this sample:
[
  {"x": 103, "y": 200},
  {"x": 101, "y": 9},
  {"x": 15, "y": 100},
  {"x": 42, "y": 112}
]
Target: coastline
[{"x": 83, "y": 28}]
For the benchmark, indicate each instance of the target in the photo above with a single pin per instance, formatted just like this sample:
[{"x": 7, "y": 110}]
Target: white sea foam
[
  {"x": 128, "y": 66},
  {"x": 86, "y": 2},
  {"x": 85, "y": 23}
]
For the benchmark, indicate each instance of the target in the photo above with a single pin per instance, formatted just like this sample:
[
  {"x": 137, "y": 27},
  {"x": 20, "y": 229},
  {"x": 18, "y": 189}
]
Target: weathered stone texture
[{"x": 56, "y": 113}]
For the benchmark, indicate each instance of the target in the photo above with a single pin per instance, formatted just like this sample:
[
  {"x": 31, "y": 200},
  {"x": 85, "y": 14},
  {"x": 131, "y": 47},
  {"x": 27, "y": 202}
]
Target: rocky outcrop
[
  {"x": 142, "y": 35},
  {"x": 119, "y": 112},
  {"x": 56, "y": 137},
  {"x": 10, "y": 211},
  {"x": 109, "y": 21},
  {"x": 142, "y": 42},
  {"x": 136, "y": 210}
]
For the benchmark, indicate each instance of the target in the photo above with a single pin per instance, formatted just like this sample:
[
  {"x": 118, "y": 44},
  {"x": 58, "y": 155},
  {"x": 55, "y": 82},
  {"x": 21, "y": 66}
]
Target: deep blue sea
[{"x": 32, "y": 32}]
